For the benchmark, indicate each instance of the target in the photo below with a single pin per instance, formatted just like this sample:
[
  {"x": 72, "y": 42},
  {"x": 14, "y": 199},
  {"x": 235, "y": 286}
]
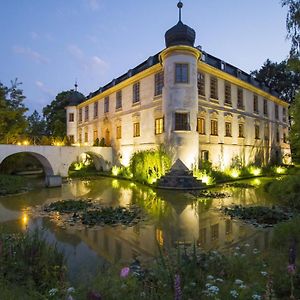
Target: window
[
  {"x": 181, "y": 121},
  {"x": 256, "y": 129},
  {"x": 201, "y": 125},
  {"x": 136, "y": 92},
  {"x": 80, "y": 115},
  {"x": 71, "y": 117},
  {"x": 118, "y": 132},
  {"x": 96, "y": 110},
  {"x": 266, "y": 132},
  {"x": 240, "y": 98},
  {"x": 181, "y": 73},
  {"x": 80, "y": 136},
  {"x": 106, "y": 104},
  {"x": 265, "y": 107},
  {"x": 95, "y": 134},
  {"x": 227, "y": 93},
  {"x": 284, "y": 138},
  {"x": 86, "y": 113},
  {"x": 228, "y": 227},
  {"x": 119, "y": 100},
  {"x": 159, "y": 125},
  {"x": 86, "y": 137},
  {"x": 201, "y": 84},
  {"x": 228, "y": 129},
  {"x": 204, "y": 155},
  {"x": 241, "y": 131},
  {"x": 71, "y": 139},
  {"x": 277, "y": 136},
  {"x": 214, "y": 230},
  {"x": 213, "y": 87},
  {"x": 202, "y": 236},
  {"x": 284, "y": 114},
  {"x": 255, "y": 104},
  {"x": 214, "y": 127},
  {"x": 158, "y": 83},
  {"x": 136, "y": 129},
  {"x": 276, "y": 112}
]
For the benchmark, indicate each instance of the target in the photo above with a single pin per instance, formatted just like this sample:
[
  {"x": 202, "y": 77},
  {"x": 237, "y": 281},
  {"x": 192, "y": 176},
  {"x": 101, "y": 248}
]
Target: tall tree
[
  {"x": 279, "y": 77},
  {"x": 293, "y": 25},
  {"x": 12, "y": 112},
  {"x": 55, "y": 113},
  {"x": 36, "y": 125}
]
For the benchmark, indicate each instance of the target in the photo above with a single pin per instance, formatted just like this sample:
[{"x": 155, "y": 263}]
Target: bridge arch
[
  {"x": 46, "y": 165},
  {"x": 98, "y": 160}
]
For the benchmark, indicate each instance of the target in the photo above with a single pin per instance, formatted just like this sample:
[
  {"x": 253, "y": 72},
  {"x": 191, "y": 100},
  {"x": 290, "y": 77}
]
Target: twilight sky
[{"x": 46, "y": 44}]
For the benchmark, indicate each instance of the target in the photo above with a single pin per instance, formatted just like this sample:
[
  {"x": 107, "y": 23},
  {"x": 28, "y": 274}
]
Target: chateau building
[{"x": 198, "y": 106}]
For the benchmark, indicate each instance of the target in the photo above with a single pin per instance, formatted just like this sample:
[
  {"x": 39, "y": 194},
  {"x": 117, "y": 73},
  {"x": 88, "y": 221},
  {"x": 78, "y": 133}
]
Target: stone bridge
[{"x": 57, "y": 160}]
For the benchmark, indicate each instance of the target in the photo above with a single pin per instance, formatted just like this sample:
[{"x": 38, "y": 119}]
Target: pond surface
[{"x": 172, "y": 218}]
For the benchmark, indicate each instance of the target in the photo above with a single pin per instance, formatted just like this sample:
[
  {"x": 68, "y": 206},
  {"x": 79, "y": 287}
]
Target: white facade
[{"x": 194, "y": 119}]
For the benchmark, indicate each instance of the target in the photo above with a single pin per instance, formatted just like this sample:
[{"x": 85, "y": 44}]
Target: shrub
[
  {"x": 10, "y": 184},
  {"x": 286, "y": 190},
  {"x": 149, "y": 165}
]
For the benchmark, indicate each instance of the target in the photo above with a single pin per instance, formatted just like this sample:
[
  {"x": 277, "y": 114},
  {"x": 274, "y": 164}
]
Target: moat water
[{"x": 172, "y": 218}]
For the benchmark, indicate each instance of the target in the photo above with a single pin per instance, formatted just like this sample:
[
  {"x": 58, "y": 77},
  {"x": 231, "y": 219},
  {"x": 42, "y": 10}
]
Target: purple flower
[
  {"x": 292, "y": 269},
  {"x": 177, "y": 288},
  {"x": 124, "y": 272}
]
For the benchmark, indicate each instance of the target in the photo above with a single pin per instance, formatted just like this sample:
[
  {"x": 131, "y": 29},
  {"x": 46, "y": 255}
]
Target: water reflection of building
[{"x": 172, "y": 222}]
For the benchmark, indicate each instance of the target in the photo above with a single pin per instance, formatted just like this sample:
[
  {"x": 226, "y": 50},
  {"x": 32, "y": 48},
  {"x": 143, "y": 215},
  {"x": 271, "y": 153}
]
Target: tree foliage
[
  {"x": 55, "y": 113},
  {"x": 13, "y": 121},
  {"x": 279, "y": 77},
  {"x": 293, "y": 25},
  {"x": 36, "y": 125}
]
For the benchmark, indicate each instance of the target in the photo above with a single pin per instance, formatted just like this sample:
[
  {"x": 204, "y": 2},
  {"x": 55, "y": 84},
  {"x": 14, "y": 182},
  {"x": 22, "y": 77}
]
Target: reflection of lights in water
[
  {"x": 25, "y": 220},
  {"x": 257, "y": 181},
  {"x": 115, "y": 184}
]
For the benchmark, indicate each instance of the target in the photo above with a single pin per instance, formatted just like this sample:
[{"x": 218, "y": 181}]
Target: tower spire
[
  {"x": 76, "y": 85},
  {"x": 179, "y": 5}
]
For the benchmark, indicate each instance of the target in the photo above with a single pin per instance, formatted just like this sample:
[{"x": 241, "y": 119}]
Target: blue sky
[{"x": 49, "y": 43}]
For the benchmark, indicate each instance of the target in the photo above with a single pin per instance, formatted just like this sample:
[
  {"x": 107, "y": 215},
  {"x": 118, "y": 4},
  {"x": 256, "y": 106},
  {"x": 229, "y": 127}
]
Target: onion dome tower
[{"x": 180, "y": 95}]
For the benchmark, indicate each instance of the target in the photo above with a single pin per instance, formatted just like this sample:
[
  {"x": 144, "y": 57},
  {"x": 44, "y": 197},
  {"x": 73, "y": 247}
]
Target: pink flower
[
  {"x": 292, "y": 269},
  {"x": 124, "y": 272}
]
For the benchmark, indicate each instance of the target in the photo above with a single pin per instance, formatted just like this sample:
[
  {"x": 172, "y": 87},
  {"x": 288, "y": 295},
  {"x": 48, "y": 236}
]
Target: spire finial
[
  {"x": 76, "y": 85},
  {"x": 180, "y": 5}
]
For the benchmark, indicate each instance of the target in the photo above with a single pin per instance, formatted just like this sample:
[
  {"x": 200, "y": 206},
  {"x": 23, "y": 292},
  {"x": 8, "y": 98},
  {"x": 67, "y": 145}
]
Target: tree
[
  {"x": 55, "y": 113},
  {"x": 293, "y": 25},
  {"x": 36, "y": 125},
  {"x": 279, "y": 77},
  {"x": 13, "y": 121}
]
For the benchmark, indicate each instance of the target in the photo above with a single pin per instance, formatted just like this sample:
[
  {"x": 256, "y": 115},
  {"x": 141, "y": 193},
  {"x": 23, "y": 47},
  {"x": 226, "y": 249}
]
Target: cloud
[
  {"x": 94, "y": 4},
  {"x": 34, "y": 35},
  {"x": 42, "y": 87},
  {"x": 93, "y": 64},
  {"x": 33, "y": 55}
]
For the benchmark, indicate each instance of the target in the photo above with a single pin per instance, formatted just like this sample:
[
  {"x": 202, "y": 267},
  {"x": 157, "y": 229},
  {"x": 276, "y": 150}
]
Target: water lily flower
[
  {"x": 213, "y": 290},
  {"x": 210, "y": 277},
  {"x": 256, "y": 297},
  {"x": 124, "y": 272},
  {"x": 263, "y": 273}
]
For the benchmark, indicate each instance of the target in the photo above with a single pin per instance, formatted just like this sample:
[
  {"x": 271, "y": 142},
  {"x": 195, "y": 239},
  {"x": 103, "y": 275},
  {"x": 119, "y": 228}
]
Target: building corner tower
[{"x": 180, "y": 94}]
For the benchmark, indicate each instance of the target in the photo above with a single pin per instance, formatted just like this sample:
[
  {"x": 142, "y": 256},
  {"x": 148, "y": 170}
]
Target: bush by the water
[
  {"x": 29, "y": 265},
  {"x": 286, "y": 190},
  {"x": 149, "y": 165},
  {"x": 10, "y": 184}
]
